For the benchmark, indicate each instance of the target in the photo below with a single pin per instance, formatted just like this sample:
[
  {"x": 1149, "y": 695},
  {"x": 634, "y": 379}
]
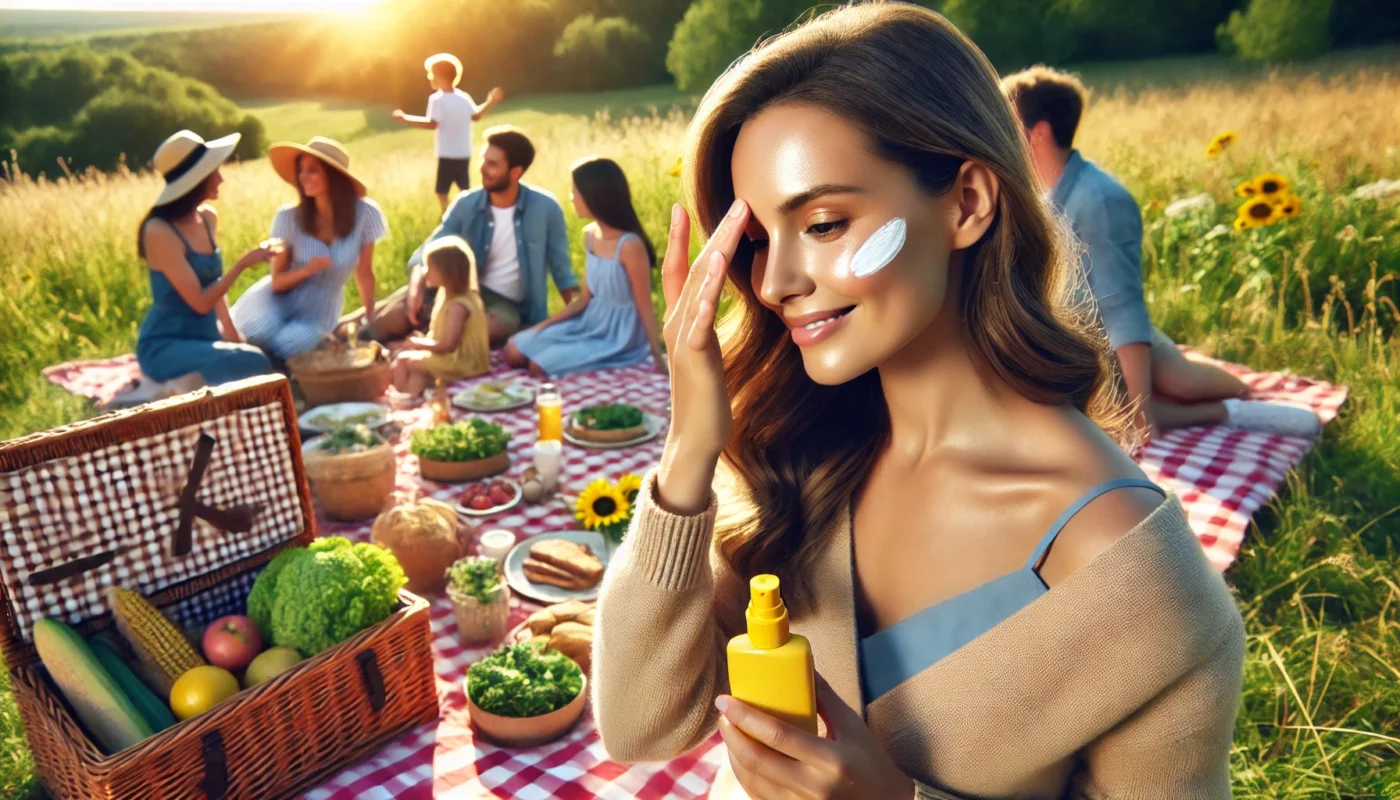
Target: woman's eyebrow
[{"x": 799, "y": 200}]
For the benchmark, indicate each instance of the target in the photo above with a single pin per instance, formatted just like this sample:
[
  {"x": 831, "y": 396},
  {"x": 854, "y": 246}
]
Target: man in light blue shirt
[{"x": 1169, "y": 389}]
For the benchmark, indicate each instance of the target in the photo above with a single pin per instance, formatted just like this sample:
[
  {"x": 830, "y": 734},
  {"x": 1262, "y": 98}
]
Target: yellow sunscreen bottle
[{"x": 769, "y": 667}]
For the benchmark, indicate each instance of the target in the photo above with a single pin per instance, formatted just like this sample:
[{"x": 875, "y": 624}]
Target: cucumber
[
  {"x": 101, "y": 705},
  {"x": 155, "y": 712}
]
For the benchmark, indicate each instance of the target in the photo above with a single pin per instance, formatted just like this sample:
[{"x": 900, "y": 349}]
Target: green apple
[{"x": 269, "y": 664}]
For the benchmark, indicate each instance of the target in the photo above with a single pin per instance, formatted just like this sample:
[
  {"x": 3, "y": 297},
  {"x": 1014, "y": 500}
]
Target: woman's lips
[{"x": 817, "y": 328}]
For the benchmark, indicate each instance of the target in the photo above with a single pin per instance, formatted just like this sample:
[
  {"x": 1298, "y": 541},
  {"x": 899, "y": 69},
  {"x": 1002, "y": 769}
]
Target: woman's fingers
[
  {"x": 725, "y": 241},
  {"x": 676, "y": 265},
  {"x": 701, "y": 328},
  {"x": 763, "y": 773}
]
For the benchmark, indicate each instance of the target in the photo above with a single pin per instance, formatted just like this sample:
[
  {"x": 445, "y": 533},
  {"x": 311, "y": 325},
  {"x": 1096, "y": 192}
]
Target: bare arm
[
  {"x": 492, "y": 98},
  {"x": 226, "y": 326},
  {"x": 165, "y": 253},
  {"x": 453, "y": 327},
  {"x": 1135, "y": 360},
  {"x": 364, "y": 280},
  {"x": 574, "y": 306},
  {"x": 634, "y": 260},
  {"x": 415, "y": 121},
  {"x": 285, "y": 279}
]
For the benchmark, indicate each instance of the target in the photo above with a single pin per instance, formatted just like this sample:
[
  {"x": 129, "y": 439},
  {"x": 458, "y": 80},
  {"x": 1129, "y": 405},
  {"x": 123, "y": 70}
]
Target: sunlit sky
[{"x": 260, "y": 6}]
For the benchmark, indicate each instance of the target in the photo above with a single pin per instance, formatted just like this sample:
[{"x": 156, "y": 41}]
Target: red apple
[{"x": 232, "y": 642}]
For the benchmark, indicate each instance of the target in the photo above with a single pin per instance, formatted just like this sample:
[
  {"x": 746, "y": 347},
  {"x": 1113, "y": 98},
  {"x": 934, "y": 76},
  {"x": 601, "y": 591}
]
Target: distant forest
[{"x": 57, "y": 96}]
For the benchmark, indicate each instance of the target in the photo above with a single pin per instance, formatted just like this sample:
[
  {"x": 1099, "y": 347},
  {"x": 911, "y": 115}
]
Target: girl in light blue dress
[
  {"x": 329, "y": 236},
  {"x": 611, "y": 323}
]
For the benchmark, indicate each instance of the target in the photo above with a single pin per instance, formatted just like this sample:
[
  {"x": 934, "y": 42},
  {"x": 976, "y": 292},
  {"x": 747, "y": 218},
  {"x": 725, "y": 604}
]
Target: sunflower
[
  {"x": 1219, "y": 142},
  {"x": 1213, "y": 150},
  {"x": 1246, "y": 189},
  {"x": 1242, "y": 224},
  {"x": 602, "y": 504},
  {"x": 1270, "y": 184},
  {"x": 1257, "y": 212},
  {"x": 1290, "y": 207},
  {"x": 676, "y": 170},
  {"x": 629, "y": 485}
]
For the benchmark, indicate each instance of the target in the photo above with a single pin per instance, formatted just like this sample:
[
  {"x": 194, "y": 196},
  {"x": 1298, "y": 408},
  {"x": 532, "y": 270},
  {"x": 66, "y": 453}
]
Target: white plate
[
  {"x": 655, "y": 425},
  {"x": 324, "y": 419},
  {"x": 472, "y": 512},
  {"x": 516, "y": 396},
  {"x": 543, "y": 592}
]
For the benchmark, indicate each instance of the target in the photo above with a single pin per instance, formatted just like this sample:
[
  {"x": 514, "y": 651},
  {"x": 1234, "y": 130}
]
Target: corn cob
[{"x": 158, "y": 644}]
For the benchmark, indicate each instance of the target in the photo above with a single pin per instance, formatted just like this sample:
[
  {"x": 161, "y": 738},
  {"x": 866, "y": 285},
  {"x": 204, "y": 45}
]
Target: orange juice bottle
[
  {"x": 551, "y": 410},
  {"x": 769, "y": 667}
]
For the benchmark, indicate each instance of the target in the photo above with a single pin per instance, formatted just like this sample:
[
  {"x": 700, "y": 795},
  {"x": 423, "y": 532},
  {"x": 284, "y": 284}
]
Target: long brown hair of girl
[
  {"x": 343, "y": 199},
  {"x": 929, "y": 100}
]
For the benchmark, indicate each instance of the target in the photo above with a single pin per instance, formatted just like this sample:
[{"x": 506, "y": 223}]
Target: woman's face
[
  {"x": 818, "y": 192},
  {"x": 311, "y": 174},
  {"x": 580, "y": 207},
  {"x": 211, "y": 185}
]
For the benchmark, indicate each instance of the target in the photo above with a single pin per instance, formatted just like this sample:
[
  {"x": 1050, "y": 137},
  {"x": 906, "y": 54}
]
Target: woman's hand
[
  {"x": 701, "y": 420},
  {"x": 258, "y": 255},
  {"x": 318, "y": 264},
  {"x": 774, "y": 760}
]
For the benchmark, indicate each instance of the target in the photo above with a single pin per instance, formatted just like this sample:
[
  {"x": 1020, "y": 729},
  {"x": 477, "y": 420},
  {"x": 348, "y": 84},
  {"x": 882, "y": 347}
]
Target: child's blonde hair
[{"x": 454, "y": 260}]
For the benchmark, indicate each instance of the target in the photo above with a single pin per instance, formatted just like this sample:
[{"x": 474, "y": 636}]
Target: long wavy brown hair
[{"x": 929, "y": 100}]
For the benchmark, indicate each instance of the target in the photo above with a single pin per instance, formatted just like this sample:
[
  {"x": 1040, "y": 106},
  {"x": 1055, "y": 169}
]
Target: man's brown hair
[
  {"x": 514, "y": 143},
  {"x": 1042, "y": 94}
]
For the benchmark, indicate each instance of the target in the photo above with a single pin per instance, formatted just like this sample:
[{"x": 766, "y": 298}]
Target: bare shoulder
[
  {"x": 633, "y": 249},
  {"x": 157, "y": 233}
]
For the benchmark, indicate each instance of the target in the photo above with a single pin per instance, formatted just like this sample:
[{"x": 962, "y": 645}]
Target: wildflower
[
  {"x": 1257, "y": 212},
  {"x": 1200, "y": 202},
  {"x": 1347, "y": 234},
  {"x": 1246, "y": 189},
  {"x": 1271, "y": 184},
  {"x": 1290, "y": 207},
  {"x": 1219, "y": 142},
  {"x": 676, "y": 170},
  {"x": 1217, "y": 232}
]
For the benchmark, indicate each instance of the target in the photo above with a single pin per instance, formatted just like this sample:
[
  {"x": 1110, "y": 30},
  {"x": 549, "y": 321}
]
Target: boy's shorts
[{"x": 453, "y": 170}]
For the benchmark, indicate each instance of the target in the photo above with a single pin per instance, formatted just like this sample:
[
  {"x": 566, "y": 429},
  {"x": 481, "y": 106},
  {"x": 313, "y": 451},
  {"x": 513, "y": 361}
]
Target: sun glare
[{"x": 260, "y": 6}]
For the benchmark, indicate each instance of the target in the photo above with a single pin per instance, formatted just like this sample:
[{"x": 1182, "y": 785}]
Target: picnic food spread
[
  {"x": 479, "y": 599},
  {"x": 425, "y": 536},
  {"x": 568, "y": 565},
  {"x": 461, "y": 451},
  {"x": 565, "y": 627},
  {"x": 608, "y": 424},
  {"x": 339, "y": 372},
  {"x": 351, "y": 470}
]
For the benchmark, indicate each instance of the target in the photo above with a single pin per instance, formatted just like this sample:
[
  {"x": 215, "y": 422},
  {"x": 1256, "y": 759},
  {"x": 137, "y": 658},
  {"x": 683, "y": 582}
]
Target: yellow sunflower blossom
[
  {"x": 1213, "y": 150},
  {"x": 1242, "y": 224},
  {"x": 676, "y": 170},
  {"x": 1246, "y": 189},
  {"x": 630, "y": 484},
  {"x": 1258, "y": 212},
  {"x": 1290, "y": 207},
  {"x": 601, "y": 504},
  {"x": 1271, "y": 183},
  {"x": 1219, "y": 142}
]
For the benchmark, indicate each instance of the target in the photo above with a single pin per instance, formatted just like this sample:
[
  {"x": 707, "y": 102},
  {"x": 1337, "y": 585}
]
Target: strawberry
[
  {"x": 500, "y": 495},
  {"x": 480, "y": 503}
]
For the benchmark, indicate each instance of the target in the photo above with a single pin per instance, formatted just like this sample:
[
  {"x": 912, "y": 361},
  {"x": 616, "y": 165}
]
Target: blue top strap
[{"x": 1084, "y": 500}]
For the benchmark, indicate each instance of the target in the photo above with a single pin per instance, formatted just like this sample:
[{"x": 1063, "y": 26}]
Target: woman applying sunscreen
[{"x": 919, "y": 444}]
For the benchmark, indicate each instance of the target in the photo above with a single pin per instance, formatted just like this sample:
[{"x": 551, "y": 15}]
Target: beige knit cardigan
[{"x": 1120, "y": 682}]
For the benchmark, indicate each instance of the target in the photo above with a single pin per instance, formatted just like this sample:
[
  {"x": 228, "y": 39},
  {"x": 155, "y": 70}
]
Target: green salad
[
  {"x": 467, "y": 440},
  {"x": 523, "y": 680},
  {"x": 611, "y": 417},
  {"x": 475, "y": 577},
  {"x": 348, "y": 439}
]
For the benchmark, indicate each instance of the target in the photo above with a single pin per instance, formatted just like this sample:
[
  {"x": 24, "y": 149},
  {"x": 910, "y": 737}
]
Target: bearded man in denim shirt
[{"x": 1169, "y": 389}]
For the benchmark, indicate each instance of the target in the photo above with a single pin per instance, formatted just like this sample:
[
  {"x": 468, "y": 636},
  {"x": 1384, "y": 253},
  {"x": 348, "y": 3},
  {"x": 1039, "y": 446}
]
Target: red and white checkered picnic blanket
[{"x": 1222, "y": 476}]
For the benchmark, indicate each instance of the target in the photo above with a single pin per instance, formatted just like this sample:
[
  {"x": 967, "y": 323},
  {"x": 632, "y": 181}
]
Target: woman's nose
[{"x": 783, "y": 275}]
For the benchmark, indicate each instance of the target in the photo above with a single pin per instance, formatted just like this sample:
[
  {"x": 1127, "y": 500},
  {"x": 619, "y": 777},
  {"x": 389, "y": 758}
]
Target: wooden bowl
[
  {"x": 463, "y": 471},
  {"x": 365, "y": 384},
  {"x": 528, "y": 731}
]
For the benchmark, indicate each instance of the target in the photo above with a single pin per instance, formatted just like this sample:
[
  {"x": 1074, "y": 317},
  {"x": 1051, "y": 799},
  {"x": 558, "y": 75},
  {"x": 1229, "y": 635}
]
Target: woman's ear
[{"x": 975, "y": 193}]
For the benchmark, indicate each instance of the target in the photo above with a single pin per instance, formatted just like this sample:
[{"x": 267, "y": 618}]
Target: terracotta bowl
[
  {"x": 463, "y": 471},
  {"x": 528, "y": 731}
]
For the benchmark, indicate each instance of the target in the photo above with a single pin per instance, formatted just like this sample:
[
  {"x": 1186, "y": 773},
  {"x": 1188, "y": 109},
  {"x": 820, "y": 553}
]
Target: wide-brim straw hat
[
  {"x": 185, "y": 160},
  {"x": 283, "y": 156}
]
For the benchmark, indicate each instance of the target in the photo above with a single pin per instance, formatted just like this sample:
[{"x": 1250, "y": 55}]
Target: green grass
[{"x": 1317, "y": 581}]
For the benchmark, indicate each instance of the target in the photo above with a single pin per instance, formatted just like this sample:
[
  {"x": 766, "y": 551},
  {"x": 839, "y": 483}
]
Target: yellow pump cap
[{"x": 767, "y": 616}]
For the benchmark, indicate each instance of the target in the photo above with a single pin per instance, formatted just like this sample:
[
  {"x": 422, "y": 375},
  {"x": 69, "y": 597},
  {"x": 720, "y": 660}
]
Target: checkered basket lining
[
  {"x": 229, "y": 597},
  {"x": 124, "y": 497}
]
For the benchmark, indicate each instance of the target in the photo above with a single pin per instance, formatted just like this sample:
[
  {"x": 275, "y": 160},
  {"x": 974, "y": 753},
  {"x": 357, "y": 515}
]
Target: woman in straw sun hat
[
  {"x": 187, "y": 330},
  {"x": 329, "y": 234}
]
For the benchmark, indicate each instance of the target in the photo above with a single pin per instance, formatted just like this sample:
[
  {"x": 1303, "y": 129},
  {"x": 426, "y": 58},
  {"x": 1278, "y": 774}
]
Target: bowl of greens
[
  {"x": 610, "y": 425},
  {"x": 351, "y": 471},
  {"x": 461, "y": 451},
  {"x": 523, "y": 695}
]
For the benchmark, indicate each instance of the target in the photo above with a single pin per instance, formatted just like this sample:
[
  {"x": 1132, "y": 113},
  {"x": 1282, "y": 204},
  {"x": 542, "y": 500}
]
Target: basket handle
[
  {"x": 215, "y": 783},
  {"x": 374, "y": 680}
]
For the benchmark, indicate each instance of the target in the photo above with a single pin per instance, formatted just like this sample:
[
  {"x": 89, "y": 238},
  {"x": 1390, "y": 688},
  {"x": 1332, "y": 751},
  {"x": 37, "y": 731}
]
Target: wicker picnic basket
[{"x": 127, "y": 499}]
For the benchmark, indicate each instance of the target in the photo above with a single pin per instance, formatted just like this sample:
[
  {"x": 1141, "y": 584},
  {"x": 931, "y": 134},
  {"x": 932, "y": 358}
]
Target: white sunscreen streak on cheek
[{"x": 880, "y": 249}]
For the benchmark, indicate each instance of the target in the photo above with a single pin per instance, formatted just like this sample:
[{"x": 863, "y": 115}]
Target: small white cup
[
  {"x": 496, "y": 544},
  {"x": 549, "y": 454}
]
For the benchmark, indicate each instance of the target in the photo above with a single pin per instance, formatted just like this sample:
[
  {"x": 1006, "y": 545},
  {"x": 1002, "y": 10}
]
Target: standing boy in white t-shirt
[{"x": 451, "y": 112}]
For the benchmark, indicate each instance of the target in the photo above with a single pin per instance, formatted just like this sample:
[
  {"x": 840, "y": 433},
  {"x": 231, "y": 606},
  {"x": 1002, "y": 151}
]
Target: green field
[{"x": 1317, "y": 581}]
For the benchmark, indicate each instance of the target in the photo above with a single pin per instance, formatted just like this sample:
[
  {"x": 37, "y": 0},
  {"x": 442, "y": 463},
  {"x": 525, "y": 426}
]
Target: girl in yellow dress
[{"x": 456, "y": 345}]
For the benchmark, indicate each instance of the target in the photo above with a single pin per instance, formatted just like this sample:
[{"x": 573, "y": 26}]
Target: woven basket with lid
[{"x": 111, "y": 501}]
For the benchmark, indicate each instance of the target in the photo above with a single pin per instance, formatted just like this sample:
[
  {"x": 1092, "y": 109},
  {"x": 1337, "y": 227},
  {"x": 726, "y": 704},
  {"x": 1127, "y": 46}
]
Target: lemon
[{"x": 200, "y": 689}]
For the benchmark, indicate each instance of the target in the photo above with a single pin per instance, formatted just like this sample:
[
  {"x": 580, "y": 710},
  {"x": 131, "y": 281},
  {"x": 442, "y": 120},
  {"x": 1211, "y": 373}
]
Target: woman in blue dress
[
  {"x": 611, "y": 323},
  {"x": 187, "y": 330},
  {"x": 329, "y": 235}
]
